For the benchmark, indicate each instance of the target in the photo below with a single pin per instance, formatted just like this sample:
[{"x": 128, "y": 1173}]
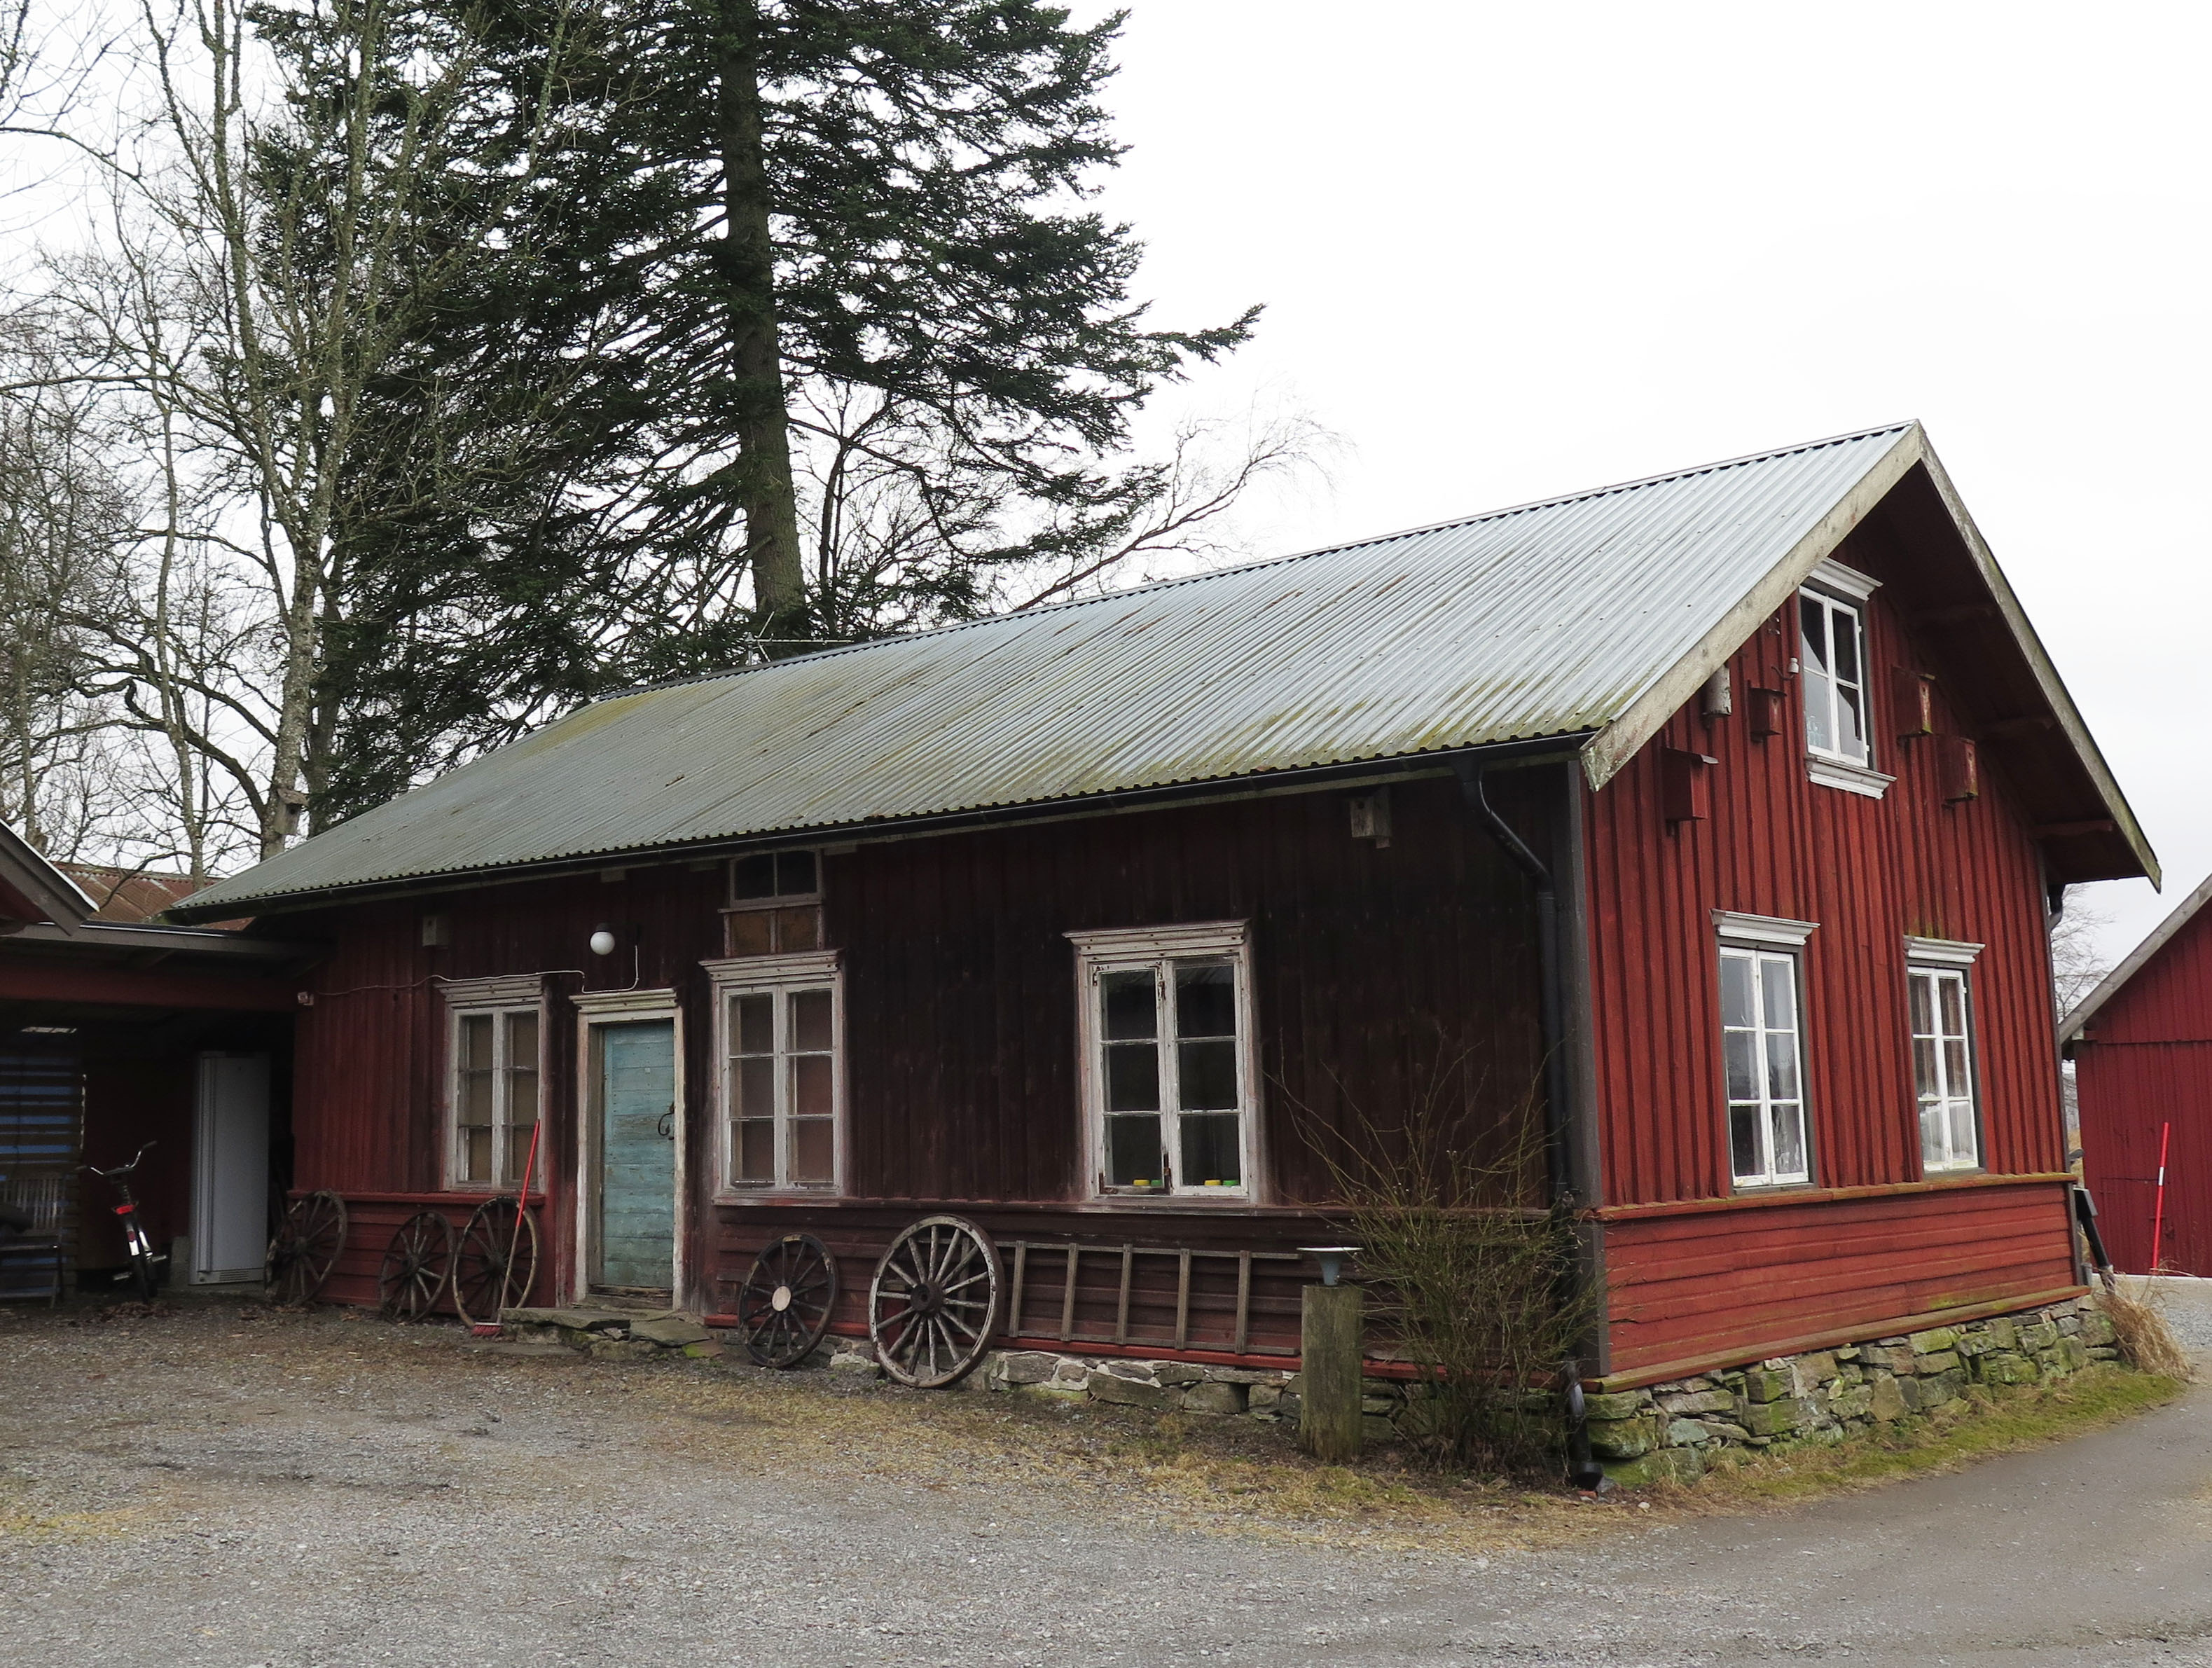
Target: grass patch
[{"x": 1987, "y": 1420}]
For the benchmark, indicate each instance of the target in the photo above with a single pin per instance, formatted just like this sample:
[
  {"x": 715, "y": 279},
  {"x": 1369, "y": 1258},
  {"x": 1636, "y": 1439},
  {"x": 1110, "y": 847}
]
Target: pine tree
[{"x": 802, "y": 331}]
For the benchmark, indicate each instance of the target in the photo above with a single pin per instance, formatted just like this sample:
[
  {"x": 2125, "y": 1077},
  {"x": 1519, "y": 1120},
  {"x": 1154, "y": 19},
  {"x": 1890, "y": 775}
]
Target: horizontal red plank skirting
[{"x": 1857, "y": 1333}]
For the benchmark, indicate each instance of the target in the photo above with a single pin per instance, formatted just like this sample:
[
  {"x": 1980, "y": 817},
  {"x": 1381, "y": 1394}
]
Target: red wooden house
[
  {"x": 1725, "y": 804},
  {"x": 2141, "y": 1047}
]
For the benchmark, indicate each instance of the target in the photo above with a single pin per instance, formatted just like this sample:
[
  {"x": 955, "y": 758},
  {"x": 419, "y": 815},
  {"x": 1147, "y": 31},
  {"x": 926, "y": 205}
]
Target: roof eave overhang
[
  {"x": 1300, "y": 779},
  {"x": 1618, "y": 742}
]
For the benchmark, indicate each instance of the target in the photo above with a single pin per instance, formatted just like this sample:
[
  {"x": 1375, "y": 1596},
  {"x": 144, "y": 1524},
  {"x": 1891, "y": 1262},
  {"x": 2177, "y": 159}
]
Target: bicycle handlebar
[{"x": 123, "y": 1169}]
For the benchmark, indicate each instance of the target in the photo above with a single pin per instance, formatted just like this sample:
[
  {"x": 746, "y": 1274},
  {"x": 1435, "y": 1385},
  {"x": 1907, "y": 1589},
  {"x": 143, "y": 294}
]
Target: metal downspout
[{"x": 1583, "y": 1471}]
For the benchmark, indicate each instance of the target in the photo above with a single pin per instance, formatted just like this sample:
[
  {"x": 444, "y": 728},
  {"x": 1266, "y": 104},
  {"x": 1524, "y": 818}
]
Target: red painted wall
[
  {"x": 1869, "y": 873},
  {"x": 2146, "y": 1062}
]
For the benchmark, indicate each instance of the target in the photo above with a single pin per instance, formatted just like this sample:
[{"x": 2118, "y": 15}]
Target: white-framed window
[
  {"x": 494, "y": 1072},
  {"x": 775, "y": 904},
  {"x": 1832, "y": 660},
  {"x": 779, "y": 1039},
  {"x": 1169, "y": 1074},
  {"x": 1762, "y": 1049},
  {"x": 1940, "y": 1005}
]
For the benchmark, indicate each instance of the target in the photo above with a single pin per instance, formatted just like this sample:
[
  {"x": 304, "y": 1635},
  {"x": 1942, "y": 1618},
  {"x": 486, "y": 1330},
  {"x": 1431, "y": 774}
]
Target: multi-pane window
[
  {"x": 775, "y": 904},
  {"x": 1832, "y": 657},
  {"x": 1762, "y": 1056},
  {"x": 781, "y": 1076},
  {"x": 495, "y": 1095},
  {"x": 1170, "y": 1068},
  {"x": 1943, "y": 1069}
]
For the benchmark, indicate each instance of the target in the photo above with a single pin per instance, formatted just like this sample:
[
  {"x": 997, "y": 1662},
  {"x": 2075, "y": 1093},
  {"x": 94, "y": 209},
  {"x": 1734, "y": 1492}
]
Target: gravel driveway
[{"x": 222, "y": 1487}]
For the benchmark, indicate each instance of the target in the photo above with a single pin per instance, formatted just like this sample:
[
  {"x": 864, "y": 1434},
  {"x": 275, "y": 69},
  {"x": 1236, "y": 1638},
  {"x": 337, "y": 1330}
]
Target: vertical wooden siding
[
  {"x": 1371, "y": 966},
  {"x": 2147, "y": 1061},
  {"x": 1869, "y": 872}
]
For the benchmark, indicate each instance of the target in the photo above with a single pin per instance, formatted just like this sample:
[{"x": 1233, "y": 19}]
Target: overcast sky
[{"x": 1512, "y": 251}]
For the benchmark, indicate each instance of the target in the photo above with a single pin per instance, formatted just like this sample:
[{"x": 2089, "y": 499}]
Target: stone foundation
[
  {"x": 1266, "y": 1394},
  {"x": 1667, "y": 1431}
]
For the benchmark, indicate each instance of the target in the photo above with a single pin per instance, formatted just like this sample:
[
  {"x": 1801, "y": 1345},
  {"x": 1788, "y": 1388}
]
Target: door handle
[{"x": 667, "y": 1126}]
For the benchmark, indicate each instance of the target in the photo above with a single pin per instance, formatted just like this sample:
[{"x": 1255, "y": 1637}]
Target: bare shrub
[{"x": 1478, "y": 1287}]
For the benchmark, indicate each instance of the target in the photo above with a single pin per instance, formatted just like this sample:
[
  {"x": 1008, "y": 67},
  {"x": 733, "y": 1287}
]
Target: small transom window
[{"x": 775, "y": 904}]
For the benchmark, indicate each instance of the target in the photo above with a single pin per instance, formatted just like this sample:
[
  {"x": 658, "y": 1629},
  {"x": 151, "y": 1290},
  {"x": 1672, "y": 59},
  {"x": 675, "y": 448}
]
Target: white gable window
[
  {"x": 1834, "y": 678},
  {"x": 779, "y": 1024},
  {"x": 1943, "y": 1054},
  {"x": 1832, "y": 652},
  {"x": 494, "y": 1070},
  {"x": 1168, "y": 1073},
  {"x": 1762, "y": 1049}
]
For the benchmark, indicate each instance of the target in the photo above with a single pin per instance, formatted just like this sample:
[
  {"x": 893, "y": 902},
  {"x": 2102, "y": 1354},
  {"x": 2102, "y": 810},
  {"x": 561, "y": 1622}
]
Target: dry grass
[
  {"x": 1233, "y": 1477},
  {"x": 2142, "y": 1335}
]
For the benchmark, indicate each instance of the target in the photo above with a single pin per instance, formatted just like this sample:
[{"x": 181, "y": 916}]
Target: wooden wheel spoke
[
  {"x": 934, "y": 1304},
  {"x": 802, "y": 1265}
]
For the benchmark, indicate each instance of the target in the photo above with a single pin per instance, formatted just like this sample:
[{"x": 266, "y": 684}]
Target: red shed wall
[
  {"x": 1869, "y": 873},
  {"x": 2145, "y": 1063}
]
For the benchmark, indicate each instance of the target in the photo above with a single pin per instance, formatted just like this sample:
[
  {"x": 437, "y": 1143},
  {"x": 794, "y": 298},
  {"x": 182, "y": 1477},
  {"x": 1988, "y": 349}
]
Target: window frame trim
[
  {"x": 804, "y": 970},
  {"x": 1937, "y": 958},
  {"x": 1115, "y": 949},
  {"x": 1834, "y": 594},
  {"x": 494, "y": 997},
  {"x": 1755, "y": 936}
]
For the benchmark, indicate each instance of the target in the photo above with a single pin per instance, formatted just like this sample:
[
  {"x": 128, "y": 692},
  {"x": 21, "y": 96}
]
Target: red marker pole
[{"x": 2157, "y": 1210}]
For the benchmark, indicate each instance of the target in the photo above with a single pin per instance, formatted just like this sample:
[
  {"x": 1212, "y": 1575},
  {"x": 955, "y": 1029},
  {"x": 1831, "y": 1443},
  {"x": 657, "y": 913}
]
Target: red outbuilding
[
  {"x": 2141, "y": 1047},
  {"x": 1722, "y": 810}
]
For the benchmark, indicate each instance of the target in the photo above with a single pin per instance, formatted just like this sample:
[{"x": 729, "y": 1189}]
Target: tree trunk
[{"x": 762, "y": 424}]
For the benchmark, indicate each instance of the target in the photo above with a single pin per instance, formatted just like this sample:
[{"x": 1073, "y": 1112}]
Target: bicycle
[{"x": 145, "y": 1263}]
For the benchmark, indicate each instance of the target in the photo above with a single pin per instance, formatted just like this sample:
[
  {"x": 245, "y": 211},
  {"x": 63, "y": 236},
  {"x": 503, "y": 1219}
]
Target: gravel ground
[
  {"x": 223, "y": 1487},
  {"x": 2186, "y": 1303}
]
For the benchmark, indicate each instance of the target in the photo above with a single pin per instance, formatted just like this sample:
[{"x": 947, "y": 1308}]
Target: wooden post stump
[{"x": 1329, "y": 1374}]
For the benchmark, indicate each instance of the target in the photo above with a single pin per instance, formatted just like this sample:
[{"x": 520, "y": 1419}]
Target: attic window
[
  {"x": 775, "y": 904},
  {"x": 1832, "y": 652}
]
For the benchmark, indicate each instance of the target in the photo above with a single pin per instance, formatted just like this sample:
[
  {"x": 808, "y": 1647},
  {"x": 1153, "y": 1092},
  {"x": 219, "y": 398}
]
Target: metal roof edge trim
[
  {"x": 67, "y": 905},
  {"x": 2136, "y": 961},
  {"x": 1296, "y": 779},
  {"x": 2041, "y": 667},
  {"x": 1622, "y": 740},
  {"x": 1554, "y": 502}
]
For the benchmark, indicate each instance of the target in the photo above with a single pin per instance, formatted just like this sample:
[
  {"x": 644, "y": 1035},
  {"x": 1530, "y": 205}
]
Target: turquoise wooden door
[{"x": 637, "y": 1155}]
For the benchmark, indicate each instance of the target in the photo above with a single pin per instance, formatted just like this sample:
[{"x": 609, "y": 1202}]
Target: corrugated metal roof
[{"x": 1547, "y": 619}]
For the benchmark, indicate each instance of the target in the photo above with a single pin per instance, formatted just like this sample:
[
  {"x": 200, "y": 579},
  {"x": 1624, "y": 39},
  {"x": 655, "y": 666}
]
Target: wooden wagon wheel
[
  {"x": 785, "y": 1303},
  {"x": 934, "y": 1304},
  {"x": 496, "y": 1264},
  {"x": 416, "y": 1266},
  {"x": 307, "y": 1246}
]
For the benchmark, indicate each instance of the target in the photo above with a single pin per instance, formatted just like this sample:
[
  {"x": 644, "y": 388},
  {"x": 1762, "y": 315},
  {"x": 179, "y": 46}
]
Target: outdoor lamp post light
[
  {"x": 603, "y": 942},
  {"x": 1332, "y": 1259}
]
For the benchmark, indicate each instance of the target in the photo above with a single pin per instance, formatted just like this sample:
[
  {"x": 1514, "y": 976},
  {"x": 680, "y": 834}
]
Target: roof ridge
[{"x": 1582, "y": 496}]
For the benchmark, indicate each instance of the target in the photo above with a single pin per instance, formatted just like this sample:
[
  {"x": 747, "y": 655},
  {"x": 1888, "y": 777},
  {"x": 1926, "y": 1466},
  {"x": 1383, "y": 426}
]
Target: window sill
[
  {"x": 1851, "y": 778},
  {"x": 776, "y": 1196}
]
